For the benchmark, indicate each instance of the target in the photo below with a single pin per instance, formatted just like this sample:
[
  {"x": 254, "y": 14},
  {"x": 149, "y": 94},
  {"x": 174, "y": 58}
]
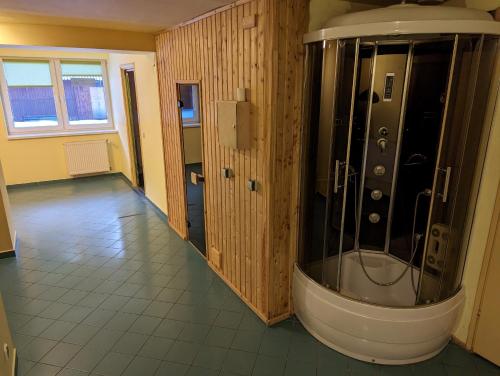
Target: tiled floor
[{"x": 101, "y": 286}]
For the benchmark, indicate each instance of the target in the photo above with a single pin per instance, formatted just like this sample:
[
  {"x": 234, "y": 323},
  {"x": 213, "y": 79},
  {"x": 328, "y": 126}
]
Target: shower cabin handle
[
  {"x": 338, "y": 165},
  {"x": 444, "y": 195}
]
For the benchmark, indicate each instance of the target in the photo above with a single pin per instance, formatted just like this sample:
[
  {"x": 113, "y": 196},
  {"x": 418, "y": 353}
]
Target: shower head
[{"x": 427, "y": 192}]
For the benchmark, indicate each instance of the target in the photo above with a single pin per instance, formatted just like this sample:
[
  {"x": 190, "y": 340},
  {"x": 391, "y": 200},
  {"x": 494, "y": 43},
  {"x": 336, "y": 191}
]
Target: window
[
  {"x": 190, "y": 105},
  {"x": 31, "y": 94},
  {"x": 54, "y": 96},
  {"x": 84, "y": 92}
]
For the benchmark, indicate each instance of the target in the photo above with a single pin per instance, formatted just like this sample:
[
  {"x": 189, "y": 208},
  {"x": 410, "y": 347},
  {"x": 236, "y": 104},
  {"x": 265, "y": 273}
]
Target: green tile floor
[{"x": 101, "y": 286}]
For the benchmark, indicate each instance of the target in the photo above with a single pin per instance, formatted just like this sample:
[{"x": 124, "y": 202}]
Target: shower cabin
[{"x": 393, "y": 146}]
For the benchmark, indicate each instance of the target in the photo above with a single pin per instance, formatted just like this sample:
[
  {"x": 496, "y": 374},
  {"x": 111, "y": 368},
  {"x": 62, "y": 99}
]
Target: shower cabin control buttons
[
  {"x": 382, "y": 144},
  {"x": 376, "y": 194},
  {"x": 374, "y": 217},
  {"x": 379, "y": 170},
  {"x": 383, "y": 131}
]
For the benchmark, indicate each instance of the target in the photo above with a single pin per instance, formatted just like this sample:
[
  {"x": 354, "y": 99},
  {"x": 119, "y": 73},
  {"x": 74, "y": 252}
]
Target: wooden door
[{"x": 487, "y": 337}]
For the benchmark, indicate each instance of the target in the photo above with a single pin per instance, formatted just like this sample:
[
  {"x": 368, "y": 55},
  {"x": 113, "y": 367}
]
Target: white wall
[{"x": 482, "y": 219}]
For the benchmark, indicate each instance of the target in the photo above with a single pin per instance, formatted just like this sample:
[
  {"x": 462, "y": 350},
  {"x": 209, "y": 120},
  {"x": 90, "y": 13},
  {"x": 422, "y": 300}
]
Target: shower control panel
[
  {"x": 438, "y": 240},
  {"x": 376, "y": 194},
  {"x": 379, "y": 170},
  {"x": 383, "y": 131},
  {"x": 388, "y": 85}
]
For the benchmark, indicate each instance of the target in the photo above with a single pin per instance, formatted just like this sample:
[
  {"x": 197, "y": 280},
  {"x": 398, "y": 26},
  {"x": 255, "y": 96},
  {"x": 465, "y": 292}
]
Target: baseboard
[
  {"x": 141, "y": 193},
  {"x": 64, "y": 180},
  {"x": 120, "y": 175},
  {"x": 7, "y": 254},
  {"x": 12, "y": 252},
  {"x": 280, "y": 318},
  {"x": 459, "y": 343}
]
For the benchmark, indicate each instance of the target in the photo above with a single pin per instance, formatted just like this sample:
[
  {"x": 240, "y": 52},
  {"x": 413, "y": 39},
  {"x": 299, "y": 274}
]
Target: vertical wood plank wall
[{"x": 254, "y": 231}]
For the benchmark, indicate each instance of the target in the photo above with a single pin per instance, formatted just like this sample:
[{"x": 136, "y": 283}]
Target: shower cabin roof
[{"x": 404, "y": 19}]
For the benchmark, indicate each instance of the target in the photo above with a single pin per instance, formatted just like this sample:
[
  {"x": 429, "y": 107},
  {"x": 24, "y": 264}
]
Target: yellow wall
[
  {"x": 482, "y": 219},
  {"x": 7, "y": 365},
  {"x": 476, "y": 4},
  {"x": 15, "y": 34},
  {"x": 7, "y": 233},
  {"x": 148, "y": 103},
  {"x": 42, "y": 159},
  {"x": 192, "y": 145},
  {"x": 321, "y": 11}
]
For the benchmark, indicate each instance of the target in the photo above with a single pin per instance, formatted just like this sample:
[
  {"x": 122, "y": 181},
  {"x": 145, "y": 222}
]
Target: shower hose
[{"x": 415, "y": 239}]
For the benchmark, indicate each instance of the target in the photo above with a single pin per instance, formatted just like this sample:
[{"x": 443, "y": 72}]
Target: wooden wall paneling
[
  {"x": 177, "y": 134},
  {"x": 236, "y": 236},
  {"x": 250, "y": 229},
  {"x": 296, "y": 27},
  {"x": 240, "y": 158},
  {"x": 247, "y": 196},
  {"x": 258, "y": 68},
  {"x": 291, "y": 22},
  {"x": 214, "y": 82},
  {"x": 176, "y": 199},
  {"x": 225, "y": 152},
  {"x": 296, "y": 146},
  {"x": 211, "y": 79},
  {"x": 202, "y": 63},
  {"x": 279, "y": 68}
]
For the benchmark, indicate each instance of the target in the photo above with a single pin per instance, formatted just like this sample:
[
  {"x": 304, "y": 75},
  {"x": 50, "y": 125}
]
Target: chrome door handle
[
  {"x": 444, "y": 195},
  {"x": 336, "y": 185},
  {"x": 196, "y": 178},
  {"x": 336, "y": 179}
]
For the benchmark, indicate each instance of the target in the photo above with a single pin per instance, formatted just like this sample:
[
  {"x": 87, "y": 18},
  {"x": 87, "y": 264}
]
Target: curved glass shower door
[
  {"x": 337, "y": 239},
  {"x": 458, "y": 169}
]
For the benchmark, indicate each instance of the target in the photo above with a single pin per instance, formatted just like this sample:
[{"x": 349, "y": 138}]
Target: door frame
[
  {"x": 130, "y": 132},
  {"x": 492, "y": 233},
  {"x": 181, "y": 141}
]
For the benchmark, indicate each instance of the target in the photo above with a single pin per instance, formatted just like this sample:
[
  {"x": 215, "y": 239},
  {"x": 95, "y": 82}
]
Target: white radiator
[{"x": 87, "y": 157}]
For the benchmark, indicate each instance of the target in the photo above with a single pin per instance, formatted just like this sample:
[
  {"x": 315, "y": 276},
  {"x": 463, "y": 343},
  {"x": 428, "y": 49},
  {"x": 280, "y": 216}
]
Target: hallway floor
[{"x": 102, "y": 286}]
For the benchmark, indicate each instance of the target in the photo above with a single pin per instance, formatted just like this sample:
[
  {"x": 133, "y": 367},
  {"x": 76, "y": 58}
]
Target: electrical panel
[{"x": 233, "y": 124}]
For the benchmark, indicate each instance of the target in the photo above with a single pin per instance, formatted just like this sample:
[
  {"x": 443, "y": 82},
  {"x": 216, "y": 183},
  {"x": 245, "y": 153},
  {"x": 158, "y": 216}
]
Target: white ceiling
[
  {"x": 138, "y": 15},
  {"x": 133, "y": 15}
]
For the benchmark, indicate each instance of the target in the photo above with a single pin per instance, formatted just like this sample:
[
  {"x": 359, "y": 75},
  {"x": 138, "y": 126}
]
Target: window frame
[
  {"x": 196, "y": 122},
  {"x": 64, "y": 126}
]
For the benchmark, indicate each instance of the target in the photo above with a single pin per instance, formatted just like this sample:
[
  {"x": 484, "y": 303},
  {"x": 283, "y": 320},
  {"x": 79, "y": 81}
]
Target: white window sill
[
  {"x": 22, "y": 136},
  {"x": 191, "y": 125}
]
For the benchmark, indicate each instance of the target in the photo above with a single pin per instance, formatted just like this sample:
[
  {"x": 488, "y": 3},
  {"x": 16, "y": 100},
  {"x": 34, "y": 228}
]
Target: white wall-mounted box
[{"x": 233, "y": 123}]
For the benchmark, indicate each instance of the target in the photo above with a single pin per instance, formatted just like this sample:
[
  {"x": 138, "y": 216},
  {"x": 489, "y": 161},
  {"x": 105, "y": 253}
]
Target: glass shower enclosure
[{"x": 393, "y": 152}]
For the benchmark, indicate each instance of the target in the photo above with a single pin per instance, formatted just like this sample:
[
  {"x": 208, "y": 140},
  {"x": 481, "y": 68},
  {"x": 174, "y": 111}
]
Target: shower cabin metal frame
[{"x": 337, "y": 166}]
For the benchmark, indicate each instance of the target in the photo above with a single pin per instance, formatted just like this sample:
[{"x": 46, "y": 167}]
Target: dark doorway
[
  {"x": 135, "y": 133},
  {"x": 189, "y": 113}
]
